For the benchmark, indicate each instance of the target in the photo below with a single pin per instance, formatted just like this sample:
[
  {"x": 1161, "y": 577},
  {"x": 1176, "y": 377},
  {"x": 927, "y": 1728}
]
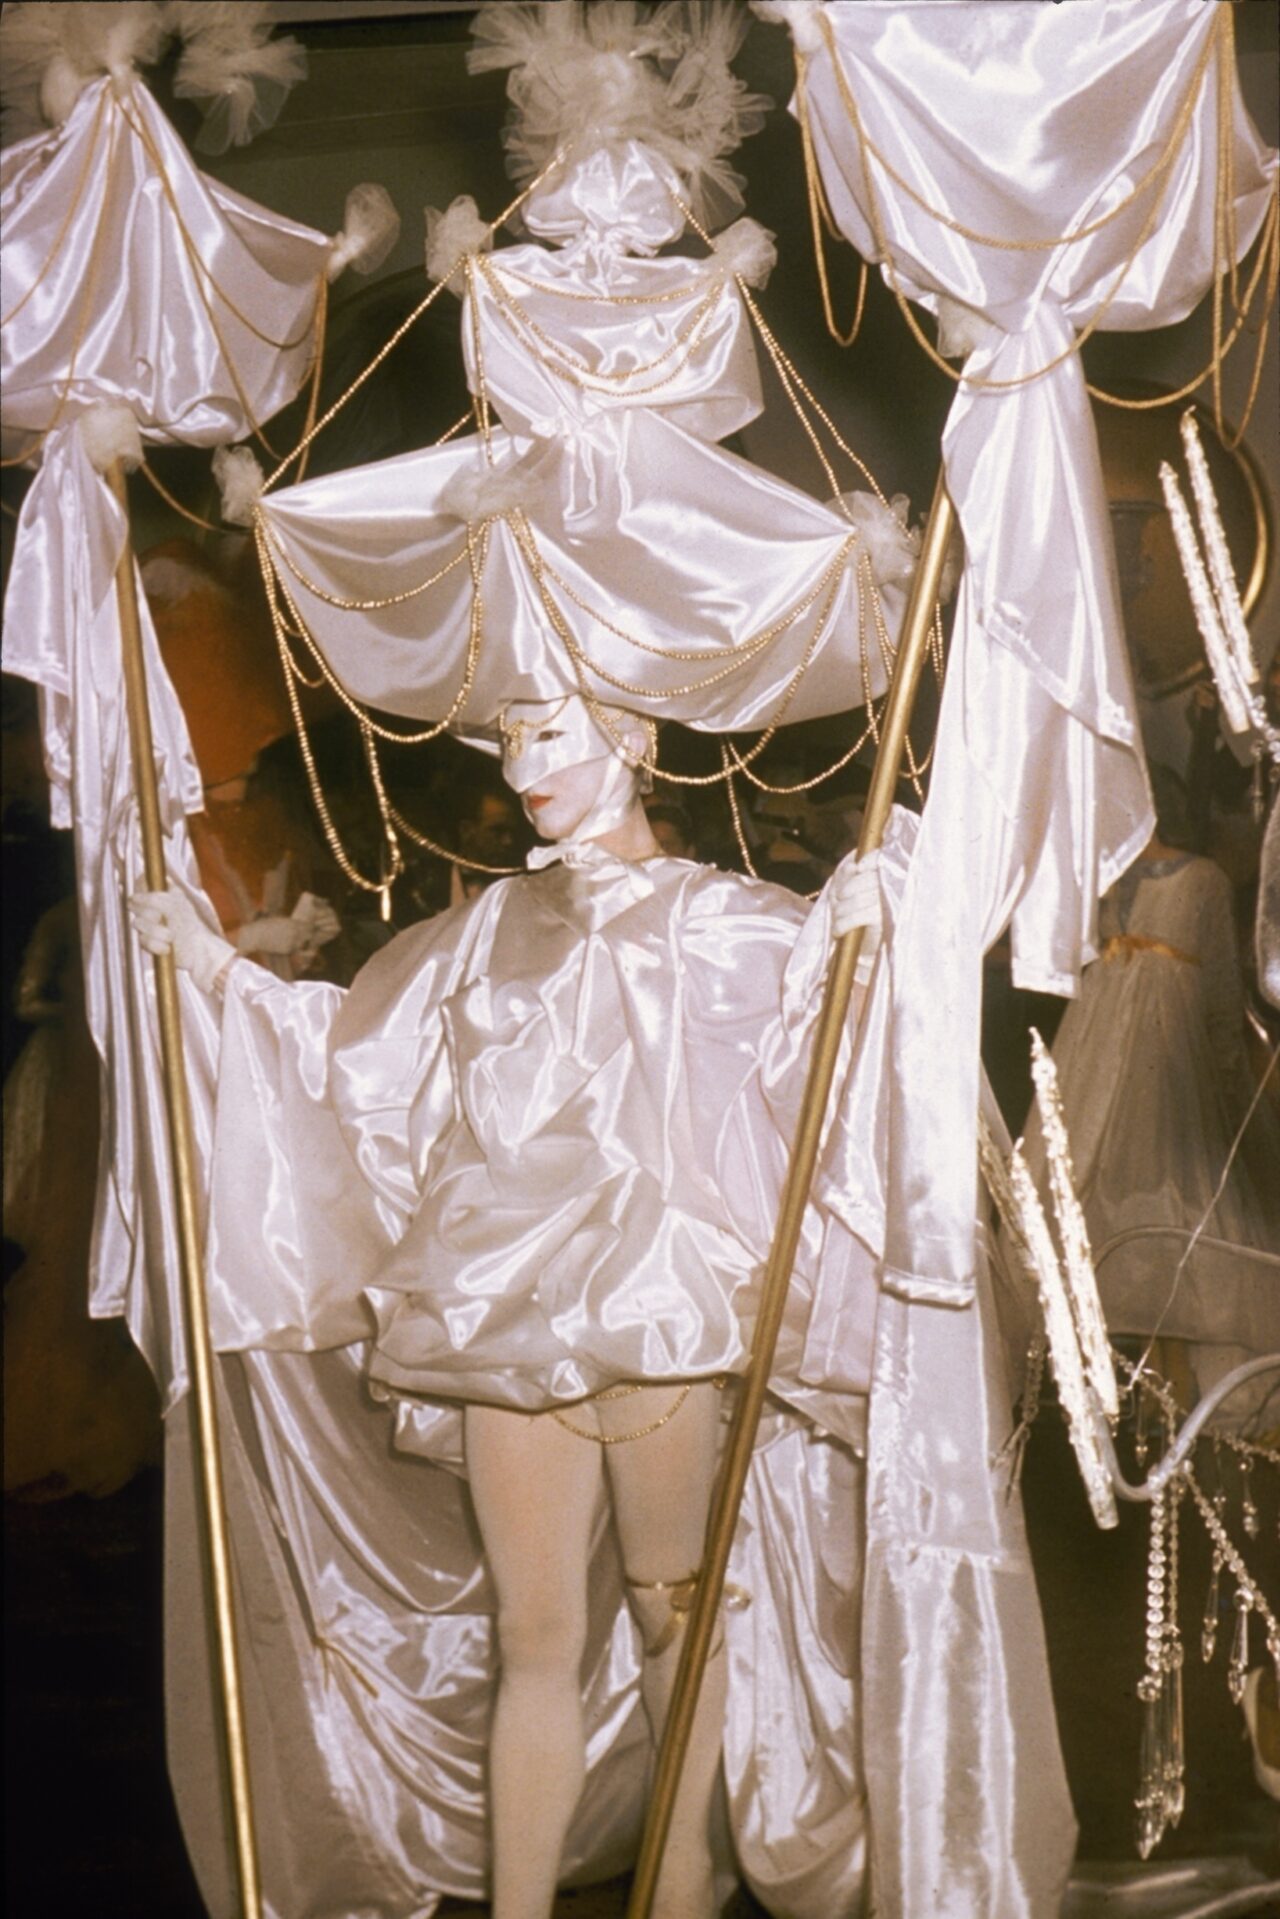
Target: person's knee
[{"x": 542, "y": 1637}]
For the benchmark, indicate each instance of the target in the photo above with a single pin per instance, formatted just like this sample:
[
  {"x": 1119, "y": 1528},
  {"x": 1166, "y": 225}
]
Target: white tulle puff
[
  {"x": 109, "y": 432},
  {"x": 370, "y": 228},
  {"x": 239, "y": 76},
  {"x": 240, "y": 481},
  {"x": 746, "y": 249},
  {"x": 890, "y": 543},
  {"x": 452, "y": 235},
  {"x": 583, "y": 76},
  {"x": 50, "y": 50}
]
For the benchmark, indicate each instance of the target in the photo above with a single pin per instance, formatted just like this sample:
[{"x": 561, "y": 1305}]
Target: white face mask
[{"x": 574, "y": 783}]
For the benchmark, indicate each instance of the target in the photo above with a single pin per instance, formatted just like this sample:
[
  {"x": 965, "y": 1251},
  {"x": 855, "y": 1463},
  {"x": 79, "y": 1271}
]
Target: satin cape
[{"x": 614, "y": 545}]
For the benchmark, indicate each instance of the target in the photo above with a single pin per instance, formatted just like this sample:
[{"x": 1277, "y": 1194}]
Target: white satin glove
[
  {"x": 855, "y": 901},
  {"x": 167, "y": 922},
  {"x": 311, "y": 925}
]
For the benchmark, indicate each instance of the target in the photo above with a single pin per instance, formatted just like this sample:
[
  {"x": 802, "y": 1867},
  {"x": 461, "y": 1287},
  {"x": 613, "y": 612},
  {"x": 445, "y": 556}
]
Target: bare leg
[
  {"x": 534, "y": 1488},
  {"x": 661, "y": 1487}
]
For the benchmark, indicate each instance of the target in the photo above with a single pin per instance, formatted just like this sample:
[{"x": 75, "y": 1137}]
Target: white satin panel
[
  {"x": 62, "y": 631},
  {"x": 159, "y": 333},
  {"x": 673, "y": 546}
]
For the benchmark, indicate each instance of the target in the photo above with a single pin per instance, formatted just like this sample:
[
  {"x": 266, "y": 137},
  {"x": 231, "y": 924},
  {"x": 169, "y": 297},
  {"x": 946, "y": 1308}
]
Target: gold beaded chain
[
  {"x": 637, "y": 1432},
  {"x": 565, "y": 364},
  {"x": 753, "y": 644},
  {"x": 363, "y": 606}
]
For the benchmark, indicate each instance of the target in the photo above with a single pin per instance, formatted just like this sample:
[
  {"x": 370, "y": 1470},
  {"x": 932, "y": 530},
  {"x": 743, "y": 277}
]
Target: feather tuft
[
  {"x": 962, "y": 329},
  {"x": 585, "y": 77},
  {"x": 746, "y": 250},
  {"x": 452, "y": 235},
  {"x": 51, "y": 50},
  {"x": 484, "y": 494},
  {"x": 240, "y": 482},
  {"x": 109, "y": 432},
  {"x": 799, "y": 16},
  {"x": 370, "y": 228},
  {"x": 891, "y": 545}
]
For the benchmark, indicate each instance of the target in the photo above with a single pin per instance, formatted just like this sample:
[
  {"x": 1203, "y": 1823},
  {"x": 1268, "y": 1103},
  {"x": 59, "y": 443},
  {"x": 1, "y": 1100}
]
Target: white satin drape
[
  {"x": 1021, "y": 121},
  {"x": 688, "y": 582}
]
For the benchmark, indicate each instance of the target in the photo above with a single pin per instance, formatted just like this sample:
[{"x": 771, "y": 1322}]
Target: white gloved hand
[
  {"x": 318, "y": 921},
  {"x": 310, "y": 926},
  {"x": 167, "y": 922},
  {"x": 855, "y": 901}
]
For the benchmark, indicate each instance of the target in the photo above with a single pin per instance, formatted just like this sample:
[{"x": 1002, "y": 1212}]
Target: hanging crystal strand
[
  {"x": 1151, "y": 1798},
  {"x": 1248, "y": 1506},
  {"x": 1141, "y": 1444},
  {"x": 1209, "y": 1624},
  {"x": 1219, "y": 1488},
  {"x": 1273, "y": 1647},
  {"x": 1174, "y": 1750},
  {"x": 1238, "y": 1665}
]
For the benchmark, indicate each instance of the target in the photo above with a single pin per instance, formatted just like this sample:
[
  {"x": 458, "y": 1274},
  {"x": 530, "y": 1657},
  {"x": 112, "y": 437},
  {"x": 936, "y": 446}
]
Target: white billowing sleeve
[{"x": 311, "y": 1180}]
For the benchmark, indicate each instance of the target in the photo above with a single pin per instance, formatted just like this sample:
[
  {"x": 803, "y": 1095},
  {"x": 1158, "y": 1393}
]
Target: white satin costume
[{"x": 561, "y": 1113}]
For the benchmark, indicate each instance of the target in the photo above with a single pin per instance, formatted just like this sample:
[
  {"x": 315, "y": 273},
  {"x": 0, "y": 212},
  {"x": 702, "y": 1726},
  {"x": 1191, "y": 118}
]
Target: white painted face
[
  {"x": 563, "y": 799},
  {"x": 565, "y": 768}
]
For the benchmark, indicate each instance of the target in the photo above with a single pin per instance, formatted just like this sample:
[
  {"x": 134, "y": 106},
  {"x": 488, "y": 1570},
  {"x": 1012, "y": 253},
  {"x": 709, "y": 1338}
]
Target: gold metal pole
[
  {"x": 190, "y": 1249},
  {"x": 723, "y": 1521}
]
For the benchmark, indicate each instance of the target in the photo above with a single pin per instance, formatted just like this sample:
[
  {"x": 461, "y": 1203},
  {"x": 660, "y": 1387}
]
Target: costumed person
[
  {"x": 564, "y": 1106},
  {"x": 1179, "y": 1192},
  {"x": 257, "y": 857},
  {"x": 600, "y": 543}
]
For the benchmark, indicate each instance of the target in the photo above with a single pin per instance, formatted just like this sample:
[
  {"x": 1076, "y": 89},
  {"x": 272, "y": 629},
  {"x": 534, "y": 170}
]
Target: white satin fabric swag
[{"x": 670, "y": 552}]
